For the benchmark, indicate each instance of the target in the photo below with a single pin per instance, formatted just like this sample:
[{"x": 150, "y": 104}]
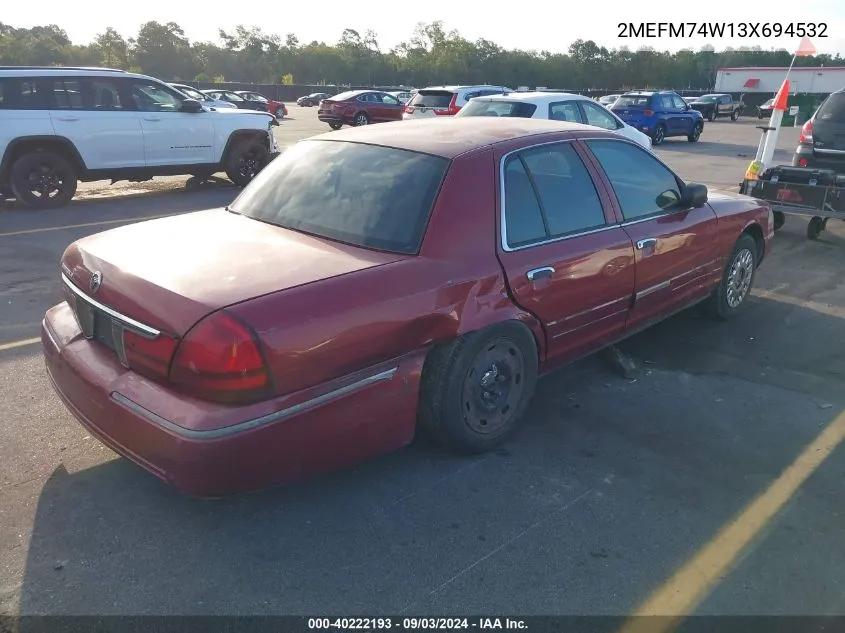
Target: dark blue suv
[{"x": 660, "y": 115}]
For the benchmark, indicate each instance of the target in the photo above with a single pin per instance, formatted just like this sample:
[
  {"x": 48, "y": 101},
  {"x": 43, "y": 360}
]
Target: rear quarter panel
[{"x": 326, "y": 330}]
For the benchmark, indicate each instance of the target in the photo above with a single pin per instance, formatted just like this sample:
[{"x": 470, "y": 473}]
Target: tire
[
  {"x": 280, "y": 113},
  {"x": 659, "y": 135},
  {"x": 246, "y": 159},
  {"x": 760, "y": 116},
  {"x": 43, "y": 171},
  {"x": 335, "y": 126},
  {"x": 724, "y": 303},
  {"x": 711, "y": 116},
  {"x": 696, "y": 133},
  {"x": 362, "y": 118},
  {"x": 734, "y": 115},
  {"x": 815, "y": 227},
  {"x": 780, "y": 220},
  {"x": 453, "y": 407}
]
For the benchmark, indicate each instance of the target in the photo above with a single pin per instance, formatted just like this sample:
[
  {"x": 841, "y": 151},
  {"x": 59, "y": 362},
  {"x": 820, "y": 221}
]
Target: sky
[{"x": 542, "y": 25}]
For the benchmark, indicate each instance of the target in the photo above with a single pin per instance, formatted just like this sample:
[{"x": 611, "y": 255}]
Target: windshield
[
  {"x": 707, "y": 99},
  {"x": 192, "y": 93},
  {"x": 633, "y": 100},
  {"x": 493, "y": 107},
  {"x": 227, "y": 96},
  {"x": 833, "y": 109},
  {"x": 365, "y": 195}
]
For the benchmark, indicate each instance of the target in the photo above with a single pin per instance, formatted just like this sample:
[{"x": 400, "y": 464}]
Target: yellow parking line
[
  {"x": 693, "y": 582},
  {"x": 23, "y": 343},
  {"x": 79, "y": 226}
]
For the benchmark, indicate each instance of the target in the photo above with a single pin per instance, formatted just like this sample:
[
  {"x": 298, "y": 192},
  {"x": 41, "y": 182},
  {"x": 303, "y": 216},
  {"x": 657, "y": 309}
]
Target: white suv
[
  {"x": 446, "y": 100},
  {"x": 62, "y": 125}
]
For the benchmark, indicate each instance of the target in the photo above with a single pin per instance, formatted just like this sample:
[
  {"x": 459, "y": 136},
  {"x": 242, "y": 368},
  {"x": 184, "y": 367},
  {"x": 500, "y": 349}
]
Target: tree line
[{"x": 432, "y": 55}]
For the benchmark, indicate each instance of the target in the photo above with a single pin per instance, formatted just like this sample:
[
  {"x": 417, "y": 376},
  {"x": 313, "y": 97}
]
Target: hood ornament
[{"x": 96, "y": 282}]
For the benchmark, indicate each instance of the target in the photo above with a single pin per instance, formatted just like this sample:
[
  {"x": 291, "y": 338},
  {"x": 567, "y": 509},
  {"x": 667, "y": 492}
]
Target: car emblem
[{"x": 96, "y": 282}]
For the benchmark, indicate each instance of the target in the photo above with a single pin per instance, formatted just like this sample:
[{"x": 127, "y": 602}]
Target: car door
[
  {"x": 390, "y": 108},
  {"x": 90, "y": 113},
  {"x": 171, "y": 137},
  {"x": 567, "y": 260},
  {"x": 672, "y": 115},
  {"x": 686, "y": 116},
  {"x": 727, "y": 105},
  {"x": 675, "y": 247}
]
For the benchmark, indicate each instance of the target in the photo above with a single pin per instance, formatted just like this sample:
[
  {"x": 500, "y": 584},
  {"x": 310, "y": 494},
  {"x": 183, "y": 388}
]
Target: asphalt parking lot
[{"x": 678, "y": 490}]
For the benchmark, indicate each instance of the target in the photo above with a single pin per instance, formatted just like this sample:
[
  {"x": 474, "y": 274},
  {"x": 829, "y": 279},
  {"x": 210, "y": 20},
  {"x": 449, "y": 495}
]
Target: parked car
[
  {"x": 315, "y": 322},
  {"x": 274, "y": 106},
  {"x": 821, "y": 143},
  {"x": 608, "y": 100},
  {"x": 359, "y": 107},
  {"x": 718, "y": 105},
  {"x": 403, "y": 95},
  {"x": 765, "y": 110},
  {"x": 660, "y": 115},
  {"x": 689, "y": 99},
  {"x": 309, "y": 101},
  {"x": 193, "y": 93},
  {"x": 237, "y": 100},
  {"x": 555, "y": 106},
  {"x": 59, "y": 126},
  {"x": 446, "y": 100}
]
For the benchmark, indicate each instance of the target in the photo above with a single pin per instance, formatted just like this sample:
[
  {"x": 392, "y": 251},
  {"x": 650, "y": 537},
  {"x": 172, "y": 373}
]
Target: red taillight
[
  {"x": 806, "y": 133},
  {"x": 648, "y": 112},
  {"x": 220, "y": 360},
  {"x": 452, "y": 109},
  {"x": 409, "y": 109},
  {"x": 150, "y": 357}
]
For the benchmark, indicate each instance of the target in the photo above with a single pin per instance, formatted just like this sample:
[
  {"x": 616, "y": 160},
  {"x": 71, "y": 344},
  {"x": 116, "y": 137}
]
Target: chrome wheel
[
  {"x": 493, "y": 387},
  {"x": 739, "y": 278},
  {"x": 361, "y": 119},
  {"x": 659, "y": 135}
]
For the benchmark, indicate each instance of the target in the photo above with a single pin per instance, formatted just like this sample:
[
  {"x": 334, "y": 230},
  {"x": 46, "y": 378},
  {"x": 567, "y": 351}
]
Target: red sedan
[
  {"x": 360, "y": 107},
  {"x": 375, "y": 281}
]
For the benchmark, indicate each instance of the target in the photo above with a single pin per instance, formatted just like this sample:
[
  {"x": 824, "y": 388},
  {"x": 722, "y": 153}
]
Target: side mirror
[
  {"x": 693, "y": 195},
  {"x": 191, "y": 105}
]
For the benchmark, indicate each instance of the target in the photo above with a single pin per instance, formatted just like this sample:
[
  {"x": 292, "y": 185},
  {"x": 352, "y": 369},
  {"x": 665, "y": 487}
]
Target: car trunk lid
[{"x": 169, "y": 273}]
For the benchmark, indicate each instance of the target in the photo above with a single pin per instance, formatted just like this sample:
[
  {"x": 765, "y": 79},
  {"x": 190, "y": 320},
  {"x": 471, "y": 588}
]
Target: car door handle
[
  {"x": 540, "y": 273},
  {"x": 152, "y": 118},
  {"x": 650, "y": 241},
  {"x": 68, "y": 118}
]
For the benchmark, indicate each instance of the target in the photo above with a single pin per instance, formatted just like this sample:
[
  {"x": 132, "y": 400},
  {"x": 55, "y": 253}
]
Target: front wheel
[
  {"x": 696, "y": 133},
  {"x": 245, "y": 160},
  {"x": 659, "y": 135},
  {"x": 733, "y": 290},
  {"x": 734, "y": 115},
  {"x": 712, "y": 116},
  {"x": 43, "y": 180},
  {"x": 475, "y": 390},
  {"x": 280, "y": 113}
]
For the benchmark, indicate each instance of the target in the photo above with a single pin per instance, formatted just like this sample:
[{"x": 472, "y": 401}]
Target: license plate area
[
  {"x": 98, "y": 326},
  {"x": 839, "y": 142}
]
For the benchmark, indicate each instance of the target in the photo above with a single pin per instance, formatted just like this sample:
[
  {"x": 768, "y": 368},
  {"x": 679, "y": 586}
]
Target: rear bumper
[
  {"x": 819, "y": 161},
  {"x": 208, "y": 450}
]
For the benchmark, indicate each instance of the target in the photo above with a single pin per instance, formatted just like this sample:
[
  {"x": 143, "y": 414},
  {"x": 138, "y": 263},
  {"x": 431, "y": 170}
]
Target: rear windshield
[
  {"x": 366, "y": 195},
  {"x": 484, "y": 107},
  {"x": 633, "y": 100},
  {"x": 833, "y": 110},
  {"x": 432, "y": 99}
]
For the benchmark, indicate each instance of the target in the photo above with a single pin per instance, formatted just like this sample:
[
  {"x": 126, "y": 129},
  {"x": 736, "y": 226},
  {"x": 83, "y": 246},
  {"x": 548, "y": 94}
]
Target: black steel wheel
[
  {"x": 43, "y": 180},
  {"x": 335, "y": 126},
  {"x": 815, "y": 227},
  {"x": 246, "y": 160},
  {"x": 475, "y": 389}
]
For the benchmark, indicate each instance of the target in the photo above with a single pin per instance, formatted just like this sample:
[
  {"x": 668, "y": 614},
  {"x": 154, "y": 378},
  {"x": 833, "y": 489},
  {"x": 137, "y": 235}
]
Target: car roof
[
  {"x": 461, "y": 87},
  {"x": 539, "y": 98},
  {"x": 451, "y": 136},
  {"x": 58, "y": 71}
]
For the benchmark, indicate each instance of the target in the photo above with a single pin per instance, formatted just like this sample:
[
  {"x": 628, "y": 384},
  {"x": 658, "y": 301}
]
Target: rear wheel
[
  {"x": 361, "y": 119},
  {"x": 475, "y": 390},
  {"x": 335, "y": 126},
  {"x": 733, "y": 290},
  {"x": 246, "y": 159},
  {"x": 659, "y": 135},
  {"x": 43, "y": 180}
]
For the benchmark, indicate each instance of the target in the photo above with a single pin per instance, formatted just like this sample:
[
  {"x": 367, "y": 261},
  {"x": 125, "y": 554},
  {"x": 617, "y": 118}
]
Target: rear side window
[
  {"x": 565, "y": 111},
  {"x": 833, "y": 110},
  {"x": 22, "y": 94},
  {"x": 485, "y": 107},
  {"x": 365, "y": 195},
  {"x": 67, "y": 95},
  {"x": 637, "y": 101},
  {"x": 432, "y": 99}
]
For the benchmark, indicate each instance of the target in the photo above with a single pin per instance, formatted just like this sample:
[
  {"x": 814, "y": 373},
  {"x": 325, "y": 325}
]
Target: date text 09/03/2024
[
  {"x": 721, "y": 29},
  {"x": 415, "y": 624}
]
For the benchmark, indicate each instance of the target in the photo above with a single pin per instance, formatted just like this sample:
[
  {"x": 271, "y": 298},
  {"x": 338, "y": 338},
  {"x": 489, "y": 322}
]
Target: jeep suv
[
  {"x": 822, "y": 140},
  {"x": 59, "y": 126}
]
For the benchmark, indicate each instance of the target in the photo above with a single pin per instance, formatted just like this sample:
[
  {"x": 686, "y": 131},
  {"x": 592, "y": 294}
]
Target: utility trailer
[{"x": 815, "y": 193}]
